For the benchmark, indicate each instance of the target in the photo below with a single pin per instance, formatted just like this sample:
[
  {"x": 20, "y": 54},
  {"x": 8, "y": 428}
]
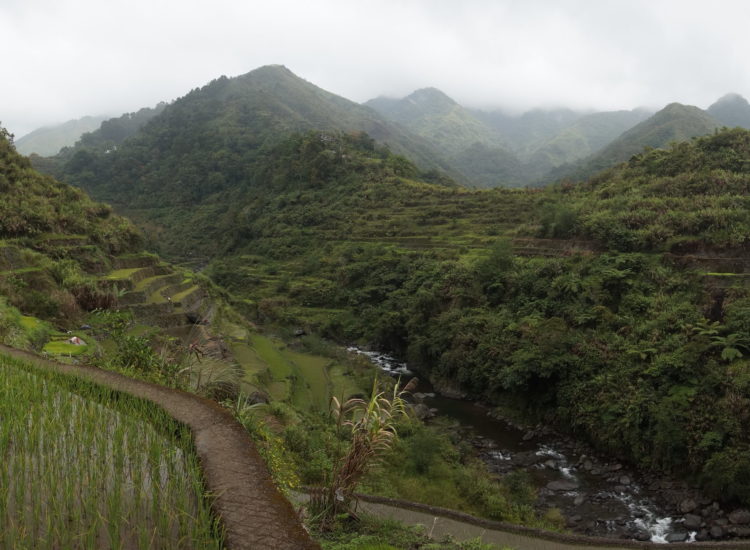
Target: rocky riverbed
[{"x": 596, "y": 495}]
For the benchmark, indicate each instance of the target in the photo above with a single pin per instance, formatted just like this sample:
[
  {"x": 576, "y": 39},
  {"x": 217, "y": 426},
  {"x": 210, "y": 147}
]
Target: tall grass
[{"x": 87, "y": 467}]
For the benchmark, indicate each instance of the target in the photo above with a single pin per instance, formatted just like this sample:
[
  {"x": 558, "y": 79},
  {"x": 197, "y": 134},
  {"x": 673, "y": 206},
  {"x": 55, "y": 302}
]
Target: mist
[{"x": 70, "y": 58}]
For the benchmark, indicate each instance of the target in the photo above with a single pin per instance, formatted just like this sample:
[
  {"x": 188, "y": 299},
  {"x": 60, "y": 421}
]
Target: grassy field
[
  {"x": 305, "y": 380},
  {"x": 85, "y": 467}
]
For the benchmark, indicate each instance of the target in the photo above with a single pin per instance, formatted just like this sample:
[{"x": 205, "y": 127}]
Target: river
[{"x": 597, "y": 496}]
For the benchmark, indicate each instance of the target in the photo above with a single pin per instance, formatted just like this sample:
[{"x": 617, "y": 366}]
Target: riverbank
[{"x": 598, "y": 496}]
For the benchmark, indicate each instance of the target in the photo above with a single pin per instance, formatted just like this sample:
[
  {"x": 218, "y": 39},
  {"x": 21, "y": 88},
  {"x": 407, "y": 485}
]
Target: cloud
[{"x": 70, "y": 58}]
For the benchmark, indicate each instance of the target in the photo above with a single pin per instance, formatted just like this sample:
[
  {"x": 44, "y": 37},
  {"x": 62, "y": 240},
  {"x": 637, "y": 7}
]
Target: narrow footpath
[
  {"x": 253, "y": 512},
  {"x": 439, "y": 522}
]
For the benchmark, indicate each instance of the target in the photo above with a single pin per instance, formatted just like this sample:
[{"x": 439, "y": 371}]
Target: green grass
[
  {"x": 301, "y": 378},
  {"x": 121, "y": 273},
  {"x": 180, "y": 296},
  {"x": 30, "y": 323},
  {"x": 86, "y": 467},
  {"x": 64, "y": 348}
]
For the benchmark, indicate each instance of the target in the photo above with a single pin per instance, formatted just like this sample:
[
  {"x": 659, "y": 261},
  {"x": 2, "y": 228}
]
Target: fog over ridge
[{"x": 71, "y": 58}]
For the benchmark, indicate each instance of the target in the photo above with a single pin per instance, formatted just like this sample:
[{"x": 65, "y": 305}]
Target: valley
[{"x": 263, "y": 225}]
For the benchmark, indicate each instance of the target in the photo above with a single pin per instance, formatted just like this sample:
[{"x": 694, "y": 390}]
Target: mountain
[
  {"x": 497, "y": 149},
  {"x": 584, "y": 137},
  {"x": 436, "y": 117},
  {"x": 474, "y": 148},
  {"x": 674, "y": 123},
  {"x": 49, "y": 140},
  {"x": 521, "y": 132},
  {"x": 114, "y": 131},
  {"x": 203, "y": 153},
  {"x": 208, "y": 140},
  {"x": 731, "y": 110}
]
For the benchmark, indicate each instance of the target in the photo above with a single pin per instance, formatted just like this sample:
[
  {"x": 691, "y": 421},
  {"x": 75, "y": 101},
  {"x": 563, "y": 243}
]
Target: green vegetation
[
  {"x": 605, "y": 333},
  {"x": 66, "y": 482},
  {"x": 376, "y": 534},
  {"x": 674, "y": 123}
]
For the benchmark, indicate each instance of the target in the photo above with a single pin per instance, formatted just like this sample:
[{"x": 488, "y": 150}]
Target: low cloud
[{"x": 70, "y": 58}]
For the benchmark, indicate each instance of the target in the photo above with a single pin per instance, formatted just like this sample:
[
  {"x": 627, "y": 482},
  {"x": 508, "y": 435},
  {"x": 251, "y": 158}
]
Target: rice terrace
[{"x": 85, "y": 467}]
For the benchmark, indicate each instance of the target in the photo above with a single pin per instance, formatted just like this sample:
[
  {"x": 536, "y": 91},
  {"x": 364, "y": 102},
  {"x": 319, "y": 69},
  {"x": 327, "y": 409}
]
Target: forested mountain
[
  {"x": 435, "y": 116},
  {"x": 524, "y": 130},
  {"x": 473, "y": 148},
  {"x": 584, "y": 137},
  {"x": 49, "y": 140},
  {"x": 674, "y": 123},
  {"x": 496, "y": 149},
  {"x": 113, "y": 131},
  {"x": 620, "y": 305},
  {"x": 731, "y": 110},
  {"x": 209, "y": 140}
]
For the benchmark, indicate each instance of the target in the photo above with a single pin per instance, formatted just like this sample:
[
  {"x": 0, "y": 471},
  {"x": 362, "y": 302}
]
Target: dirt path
[
  {"x": 441, "y": 522},
  {"x": 255, "y": 515}
]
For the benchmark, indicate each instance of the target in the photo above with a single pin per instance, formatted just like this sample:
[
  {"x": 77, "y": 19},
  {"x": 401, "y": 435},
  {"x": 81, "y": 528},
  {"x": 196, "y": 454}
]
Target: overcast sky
[{"x": 68, "y": 58}]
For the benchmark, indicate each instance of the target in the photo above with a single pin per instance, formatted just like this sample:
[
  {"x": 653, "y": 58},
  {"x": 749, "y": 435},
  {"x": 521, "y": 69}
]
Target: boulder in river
[
  {"x": 688, "y": 505},
  {"x": 562, "y": 485},
  {"x": 693, "y": 522},
  {"x": 716, "y": 532},
  {"x": 677, "y": 537},
  {"x": 642, "y": 536},
  {"x": 422, "y": 411},
  {"x": 740, "y": 517}
]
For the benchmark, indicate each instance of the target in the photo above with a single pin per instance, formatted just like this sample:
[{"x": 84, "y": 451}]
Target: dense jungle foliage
[
  {"x": 626, "y": 326},
  {"x": 52, "y": 236}
]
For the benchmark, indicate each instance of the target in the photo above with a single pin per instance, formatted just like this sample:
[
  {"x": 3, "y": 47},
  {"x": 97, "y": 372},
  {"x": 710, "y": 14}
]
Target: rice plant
[{"x": 86, "y": 467}]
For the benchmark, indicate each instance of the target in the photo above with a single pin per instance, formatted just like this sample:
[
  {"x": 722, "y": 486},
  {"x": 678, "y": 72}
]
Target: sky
[{"x": 65, "y": 59}]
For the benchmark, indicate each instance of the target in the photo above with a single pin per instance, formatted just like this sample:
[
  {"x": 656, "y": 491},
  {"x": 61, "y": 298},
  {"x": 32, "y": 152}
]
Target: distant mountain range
[
  {"x": 473, "y": 147},
  {"x": 49, "y": 140}
]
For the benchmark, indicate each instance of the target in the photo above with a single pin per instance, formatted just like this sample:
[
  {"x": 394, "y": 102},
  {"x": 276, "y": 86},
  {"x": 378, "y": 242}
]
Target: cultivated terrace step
[
  {"x": 134, "y": 260},
  {"x": 150, "y": 285},
  {"x": 163, "y": 294}
]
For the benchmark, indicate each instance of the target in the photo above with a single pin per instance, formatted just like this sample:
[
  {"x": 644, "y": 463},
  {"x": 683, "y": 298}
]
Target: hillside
[
  {"x": 605, "y": 305},
  {"x": 49, "y": 140},
  {"x": 584, "y": 137},
  {"x": 209, "y": 140},
  {"x": 674, "y": 123},
  {"x": 52, "y": 238}
]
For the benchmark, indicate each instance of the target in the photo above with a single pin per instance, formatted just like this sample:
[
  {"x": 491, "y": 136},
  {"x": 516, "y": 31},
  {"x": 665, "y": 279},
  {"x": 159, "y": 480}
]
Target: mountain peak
[
  {"x": 731, "y": 97},
  {"x": 731, "y": 110},
  {"x": 429, "y": 96}
]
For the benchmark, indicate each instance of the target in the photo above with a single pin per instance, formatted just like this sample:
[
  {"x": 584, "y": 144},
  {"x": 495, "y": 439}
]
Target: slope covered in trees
[
  {"x": 625, "y": 322},
  {"x": 52, "y": 236},
  {"x": 674, "y": 123}
]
